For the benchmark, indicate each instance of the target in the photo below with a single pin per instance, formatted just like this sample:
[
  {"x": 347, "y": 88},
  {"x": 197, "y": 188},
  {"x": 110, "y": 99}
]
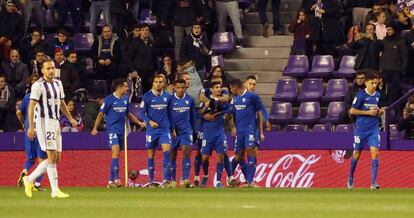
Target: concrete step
[
  {"x": 253, "y": 17},
  {"x": 267, "y": 101},
  {"x": 262, "y": 76},
  {"x": 255, "y": 64},
  {"x": 272, "y": 41},
  {"x": 261, "y": 52},
  {"x": 257, "y": 29},
  {"x": 265, "y": 88}
]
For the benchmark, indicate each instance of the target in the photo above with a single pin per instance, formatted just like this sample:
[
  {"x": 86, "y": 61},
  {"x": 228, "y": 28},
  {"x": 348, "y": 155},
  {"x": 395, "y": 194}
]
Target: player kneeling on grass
[
  {"x": 365, "y": 107},
  {"x": 115, "y": 110},
  {"x": 182, "y": 110}
]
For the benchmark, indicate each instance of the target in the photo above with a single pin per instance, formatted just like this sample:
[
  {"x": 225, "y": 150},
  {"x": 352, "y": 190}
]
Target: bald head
[{"x": 14, "y": 56}]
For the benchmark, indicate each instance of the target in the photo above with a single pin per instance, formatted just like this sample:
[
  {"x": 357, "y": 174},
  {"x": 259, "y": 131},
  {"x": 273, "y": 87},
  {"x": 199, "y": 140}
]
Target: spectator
[
  {"x": 229, "y": 8},
  {"x": 35, "y": 65},
  {"x": 357, "y": 86},
  {"x": 218, "y": 71},
  {"x": 141, "y": 57},
  {"x": 105, "y": 53},
  {"x": 368, "y": 49},
  {"x": 29, "y": 82},
  {"x": 98, "y": 6},
  {"x": 59, "y": 59},
  {"x": 301, "y": 29},
  {"x": 7, "y": 99},
  {"x": 168, "y": 69},
  {"x": 394, "y": 58},
  {"x": 403, "y": 22},
  {"x": 13, "y": 124},
  {"x": 135, "y": 87},
  {"x": 65, "y": 124},
  {"x": 127, "y": 41},
  {"x": 196, "y": 47},
  {"x": 409, "y": 37},
  {"x": 69, "y": 75},
  {"x": 31, "y": 44},
  {"x": 371, "y": 18},
  {"x": 36, "y": 7},
  {"x": 360, "y": 11},
  {"x": 16, "y": 73},
  {"x": 11, "y": 29},
  {"x": 380, "y": 27},
  {"x": 91, "y": 111},
  {"x": 62, "y": 42},
  {"x": 74, "y": 8},
  {"x": 262, "y": 6},
  {"x": 187, "y": 71},
  {"x": 407, "y": 123},
  {"x": 120, "y": 16},
  {"x": 388, "y": 95},
  {"x": 72, "y": 58}
]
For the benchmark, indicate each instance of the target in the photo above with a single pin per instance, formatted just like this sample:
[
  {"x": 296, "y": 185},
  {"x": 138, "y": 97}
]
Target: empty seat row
[{"x": 319, "y": 128}]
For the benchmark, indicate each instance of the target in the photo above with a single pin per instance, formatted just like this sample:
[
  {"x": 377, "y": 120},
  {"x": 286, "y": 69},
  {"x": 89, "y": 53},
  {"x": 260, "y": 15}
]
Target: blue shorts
[
  {"x": 115, "y": 139},
  {"x": 33, "y": 149},
  {"x": 213, "y": 141},
  {"x": 153, "y": 140},
  {"x": 182, "y": 139},
  {"x": 245, "y": 140},
  {"x": 371, "y": 139}
]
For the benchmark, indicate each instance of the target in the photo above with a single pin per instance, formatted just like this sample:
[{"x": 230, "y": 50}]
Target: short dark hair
[
  {"x": 253, "y": 77},
  {"x": 62, "y": 31},
  {"x": 71, "y": 52},
  {"x": 371, "y": 76},
  {"x": 180, "y": 75},
  {"x": 144, "y": 25},
  {"x": 118, "y": 83},
  {"x": 181, "y": 81},
  {"x": 212, "y": 84},
  {"x": 39, "y": 51},
  {"x": 236, "y": 83},
  {"x": 2, "y": 75}
]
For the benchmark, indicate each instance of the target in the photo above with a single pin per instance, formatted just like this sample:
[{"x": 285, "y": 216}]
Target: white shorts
[{"x": 49, "y": 135}]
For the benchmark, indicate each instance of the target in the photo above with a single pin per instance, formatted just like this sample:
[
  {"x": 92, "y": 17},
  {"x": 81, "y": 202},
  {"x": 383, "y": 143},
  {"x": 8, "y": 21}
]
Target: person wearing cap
[{"x": 11, "y": 29}]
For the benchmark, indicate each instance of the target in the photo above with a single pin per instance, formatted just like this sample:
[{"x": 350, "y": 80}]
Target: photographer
[
  {"x": 407, "y": 123},
  {"x": 367, "y": 49}
]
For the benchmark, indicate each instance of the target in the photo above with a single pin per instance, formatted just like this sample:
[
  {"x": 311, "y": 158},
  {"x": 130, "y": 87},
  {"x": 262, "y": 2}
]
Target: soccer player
[
  {"x": 182, "y": 110},
  {"x": 365, "y": 107},
  {"x": 154, "y": 111},
  {"x": 246, "y": 106},
  {"x": 46, "y": 101},
  {"x": 32, "y": 147},
  {"x": 214, "y": 137},
  {"x": 115, "y": 109}
]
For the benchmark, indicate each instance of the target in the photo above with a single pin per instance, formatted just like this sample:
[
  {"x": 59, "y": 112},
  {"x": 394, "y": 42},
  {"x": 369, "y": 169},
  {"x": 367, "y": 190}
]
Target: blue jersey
[
  {"x": 217, "y": 125},
  {"x": 364, "y": 101},
  {"x": 24, "y": 107},
  {"x": 182, "y": 113},
  {"x": 115, "y": 110},
  {"x": 155, "y": 108},
  {"x": 245, "y": 108}
]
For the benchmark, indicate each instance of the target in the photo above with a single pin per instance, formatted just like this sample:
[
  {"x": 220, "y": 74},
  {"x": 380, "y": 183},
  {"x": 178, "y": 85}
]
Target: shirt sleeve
[
  {"x": 62, "y": 92},
  {"x": 170, "y": 111},
  {"x": 357, "y": 102},
  {"x": 36, "y": 91},
  {"x": 144, "y": 110},
  {"x": 105, "y": 106},
  {"x": 23, "y": 105}
]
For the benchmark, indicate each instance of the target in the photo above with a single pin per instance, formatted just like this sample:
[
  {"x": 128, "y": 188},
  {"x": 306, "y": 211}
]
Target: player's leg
[
  {"x": 219, "y": 167},
  {"x": 374, "y": 142},
  {"x": 186, "y": 165},
  {"x": 53, "y": 157},
  {"x": 114, "y": 181},
  {"x": 165, "y": 141},
  {"x": 173, "y": 168},
  {"x": 251, "y": 164},
  {"x": 41, "y": 157},
  {"x": 206, "y": 147},
  {"x": 358, "y": 145},
  {"x": 151, "y": 143},
  {"x": 197, "y": 159},
  {"x": 30, "y": 160}
]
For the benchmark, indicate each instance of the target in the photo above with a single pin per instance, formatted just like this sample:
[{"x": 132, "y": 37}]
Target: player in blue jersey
[
  {"x": 367, "y": 132},
  {"x": 183, "y": 112},
  {"x": 32, "y": 147},
  {"x": 246, "y": 105},
  {"x": 154, "y": 111},
  {"x": 115, "y": 110}
]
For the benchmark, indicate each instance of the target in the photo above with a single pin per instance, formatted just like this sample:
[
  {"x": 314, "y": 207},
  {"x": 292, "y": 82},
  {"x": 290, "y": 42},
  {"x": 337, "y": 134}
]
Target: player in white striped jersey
[{"x": 46, "y": 102}]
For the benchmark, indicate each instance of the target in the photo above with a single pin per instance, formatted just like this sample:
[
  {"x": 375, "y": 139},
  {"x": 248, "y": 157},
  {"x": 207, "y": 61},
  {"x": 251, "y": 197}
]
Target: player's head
[
  {"x": 186, "y": 77},
  {"x": 236, "y": 86},
  {"x": 2, "y": 81},
  {"x": 48, "y": 69},
  {"x": 158, "y": 83},
  {"x": 371, "y": 81},
  {"x": 180, "y": 87},
  {"x": 216, "y": 88},
  {"x": 120, "y": 86},
  {"x": 250, "y": 83}
]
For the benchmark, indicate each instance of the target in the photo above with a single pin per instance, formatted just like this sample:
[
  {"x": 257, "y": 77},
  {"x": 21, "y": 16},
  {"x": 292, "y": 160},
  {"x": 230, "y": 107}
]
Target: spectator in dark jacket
[
  {"x": 409, "y": 38},
  {"x": 12, "y": 123},
  {"x": 16, "y": 73},
  {"x": 7, "y": 99},
  {"x": 120, "y": 16},
  {"x": 123, "y": 68},
  {"x": 403, "y": 22},
  {"x": 196, "y": 47},
  {"x": 31, "y": 44},
  {"x": 359, "y": 84},
  {"x": 371, "y": 18},
  {"x": 407, "y": 123},
  {"x": 35, "y": 66},
  {"x": 141, "y": 57},
  {"x": 368, "y": 49},
  {"x": 388, "y": 95},
  {"x": 61, "y": 42},
  {"x": 11, "y": 29},
  {"x": 301, "y": 29},
  {"x": 105, "y": 53},
  {"x": 91, "y": 111},
  {"x": 72, "y": 58},
  {"x": 74, "y": 8},
  {"x": 169, "y": 69},
  {"x": 69, "y": 75}
]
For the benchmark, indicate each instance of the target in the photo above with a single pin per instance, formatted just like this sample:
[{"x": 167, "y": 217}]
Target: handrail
[{"x": 403, "y": 98}]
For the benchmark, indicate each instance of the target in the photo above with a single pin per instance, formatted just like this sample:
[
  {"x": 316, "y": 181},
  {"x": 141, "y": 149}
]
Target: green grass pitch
[{"x": 197, "y": 203}]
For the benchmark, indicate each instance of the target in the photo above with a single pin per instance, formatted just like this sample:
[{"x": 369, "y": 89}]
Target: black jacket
[
  {"x": 388, "y": 95},
  {"x": 28, "y": 51},
  {"x": 407, "y": 125},
  {"x": 409, "y": 38},
  {"x": 331, "y": 28},
  {"x": 367, "y": 53},
  {"x": 16, "y": 76},
  {"x": 185, "y": 12},
  {"x": 191, "y": 52},
  {"x": 69, "y": 76},
  {"x": 141, "y": 56},
  {"x": 91, "y": 111},
  {"x": 394, "y": 54},
  {"x": 12, "y": 27}
]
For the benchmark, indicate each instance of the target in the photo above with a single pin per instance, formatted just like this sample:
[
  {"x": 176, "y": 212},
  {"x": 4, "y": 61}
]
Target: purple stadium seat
[
  {"x": 48, "y": 20},
  {"x": 309, "y": 112},
  {"x": 83, "y": 42},
  {"x": 286, "y": 90},
  {"x": 344, "y": 128},
  {"x": 297, "y": 66},
  {"x": 50, "y": 38},
  {"x": 334, "y": 109},
  {"x": 346, "y": 68},
  {"x": 394, "y": 133},
  {"x": 336, "y": 90},
  {"x": 145, "y": 17},
  {"x": 217, "y": 60},
  {"x": 322, "y": 66},
  {"x": 295, "y": 128},
  {"x": 322, "y": 128},
  {"x": 89, "y": 65},
  {"x": 96, "y": 88},
  {"x": 312, "y": 90},
  {"x": 223, "y": 43},
  {"x": 404, "y": 33},
  {"x": 281, "y": 113}
]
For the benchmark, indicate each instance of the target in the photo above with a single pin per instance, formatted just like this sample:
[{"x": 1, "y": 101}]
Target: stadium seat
[
  {"x": 295, "y": 128},
  {"x": 336, "y": 90},
  {"x": 344, "y": 128},
  {"x": 322, "y": 66},
  {"x": 223, "y": 43},
  {"x": 281, "y": 113},
  {"x": 309, "y": 113},
  {"x": 394, "y": 133},
  {"x": 286, "y": 90},
  {"x": 217, "y": 60},
  {"x": 96, "y": 88},
  {"x": 48, "y": 20},
  {"x": 83, "y": 42},
  {"x": 346, "y": 68},
  {"x": 145, "y": 17},
  {"x": 50, "y": 38},
  {"x": 334, "y": 109},
  {"x": 312, "y": 90},
  {"x": 322, "y": 128},
  {"x": 89, "y": 65},
  {"x": 297, "y": 66}
]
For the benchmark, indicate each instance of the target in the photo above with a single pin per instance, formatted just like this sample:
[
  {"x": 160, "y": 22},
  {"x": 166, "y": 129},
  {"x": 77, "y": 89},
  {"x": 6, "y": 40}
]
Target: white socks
[
  {"x": 53, "y": 178},
  {"x": 40, "y": 169}
]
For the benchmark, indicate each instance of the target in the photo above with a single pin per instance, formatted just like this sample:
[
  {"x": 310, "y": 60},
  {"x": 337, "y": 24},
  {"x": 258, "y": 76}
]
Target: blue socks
[
  {"x": 186, "y": 167},
  {"x": 228, "y": 165},
  {"x": 28, "y": 164},
  {"x": 114, "y": 169},
  {"x": 173, "y": 169},
  {"x": 205, "y": 167},
  {"x": 234, "y": 164},
  {"x": 219, "y": 170},
  {"x": 353, "y": 167},
  {"x": 374, "y": 171},
  {"x": 151, "y": 169},
  {"x": 251, "y": 168},
  {"x": 166, "y": 165},
  {"x": 197, "y": 165}
]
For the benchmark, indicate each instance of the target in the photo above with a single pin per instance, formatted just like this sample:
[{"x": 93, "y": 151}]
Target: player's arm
[
  {"x": 232, "y": 126},
  {"x": 143, "y": 114},
  {"x": 96, "y": 124},
  {"x": 31, "y": 130},
  {"x": 259, "y": 109},
  {"x": 260, "y": 125},
  {"x": 65, "y": 111},
  {"x": 20, "y": 117},
  {"x": 202, "y": 96},
  {"x": 225, "y": 97},
  {"x": 193, "y": 116},
  {"x": 134, "y": 119}
]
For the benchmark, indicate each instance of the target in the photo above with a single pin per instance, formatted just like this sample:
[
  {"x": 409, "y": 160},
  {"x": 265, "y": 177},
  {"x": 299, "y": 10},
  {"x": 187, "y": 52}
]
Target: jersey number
[{"x": 50, "y": 135}]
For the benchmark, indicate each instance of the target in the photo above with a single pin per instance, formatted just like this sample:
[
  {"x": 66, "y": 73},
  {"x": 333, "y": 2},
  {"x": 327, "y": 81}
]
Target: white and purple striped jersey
[{"x": 48, "y": 97}]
